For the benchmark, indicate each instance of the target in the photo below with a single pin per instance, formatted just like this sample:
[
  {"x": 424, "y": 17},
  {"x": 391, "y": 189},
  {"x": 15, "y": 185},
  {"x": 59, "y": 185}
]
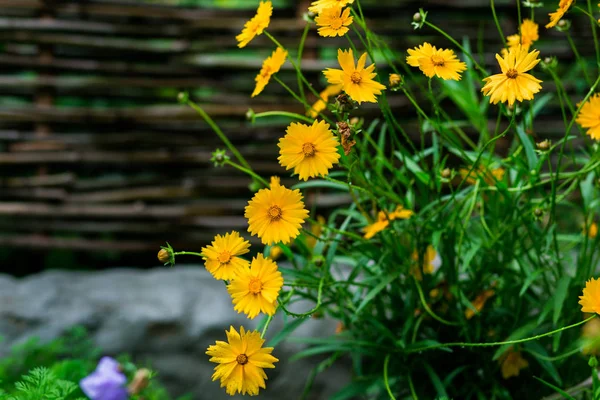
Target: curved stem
[
  {"x": 429, "y": 311},
  {"x": 248, "y": 172},
  {"x": 264, "y": 330},
  {"x": 283, "y": 114},
  {"x": 491, "y": 344},
  {"x": 219, "y": 133},
  {"x": 497, "y": 22},
  {"x": 385, "y": 377}
]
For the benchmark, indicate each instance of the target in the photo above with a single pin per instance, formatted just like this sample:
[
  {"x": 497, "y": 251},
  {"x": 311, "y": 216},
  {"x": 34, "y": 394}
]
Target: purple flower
[{"x": 107, "y": 382}]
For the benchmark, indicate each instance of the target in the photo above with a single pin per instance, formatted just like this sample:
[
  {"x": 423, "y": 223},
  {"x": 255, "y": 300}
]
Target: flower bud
[
  {"x": 166, "y": 255},
  {"x": 538, "y": 212},
  {"x": 140, "y": 381},
  {"x": 163, "y": 256},
  {"x": 446, "y": 172},
  {"x": 543, "y": 145},
  {"x": 417, "y": 17},
  {"x": 219, "y": 157},
  {"x": 183, "y": 97},
  {"x": 395, "y": 81}
]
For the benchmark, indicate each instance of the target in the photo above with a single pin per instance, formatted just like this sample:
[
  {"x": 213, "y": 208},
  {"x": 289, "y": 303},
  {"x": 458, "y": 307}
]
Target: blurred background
[{"x": 99, "y": 164}]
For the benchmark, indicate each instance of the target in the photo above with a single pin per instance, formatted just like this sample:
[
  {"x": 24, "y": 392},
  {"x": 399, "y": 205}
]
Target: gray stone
[{"x": 164, "y": 317}]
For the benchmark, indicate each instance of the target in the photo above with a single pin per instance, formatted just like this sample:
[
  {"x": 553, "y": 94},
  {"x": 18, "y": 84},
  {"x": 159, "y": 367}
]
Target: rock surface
[{"x": 164, "y": 317}]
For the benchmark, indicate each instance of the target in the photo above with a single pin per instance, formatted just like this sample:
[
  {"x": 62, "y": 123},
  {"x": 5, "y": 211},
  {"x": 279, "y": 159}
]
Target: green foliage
[{"x": 52, "y": 371}]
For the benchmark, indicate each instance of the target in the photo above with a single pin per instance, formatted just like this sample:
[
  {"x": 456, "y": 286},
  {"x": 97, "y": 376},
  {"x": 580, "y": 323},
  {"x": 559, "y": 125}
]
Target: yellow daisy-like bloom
[
  {"x": 321, "y": 104},
  {"x": 589, "y": 116},
  {"x": 590, "y": 301},
  {"x": 334, "y": 21},
  {"x": 256, "y": 25},
  {"x": 511, "y": 363},
  {"x": 276, "y": 214},
  {"x": 270, "y": 67},
  {"x": 241, "y": 360},
  {"x": 479, "y": 302},
  {"x": 556, "y": 16},
  {"x": 310, "y": 150},
  {"x": 422, "y": 51},
  {"x": 357, "y": 81},
  {"x": 513, "y": 83},
  {"x": 395, "y": 80},
  {"x": 255, "y": 289},
  {"x": 221, "y": 259},
  {"x": 318, "y": 6},
  {"x": 383, "y": 221},
  {"x": 430, "y": 263},
  {"x": 529, "y": 34},
  {"x": 436, "y": 62}
]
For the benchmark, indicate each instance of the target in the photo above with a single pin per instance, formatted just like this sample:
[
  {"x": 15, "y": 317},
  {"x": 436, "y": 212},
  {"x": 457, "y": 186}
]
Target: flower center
[
  {"x": 224, "y": 257},
  {"x": 308, "y": 149},
  {"x": 274, "y": 213},
  {"x": 255, "y": 286},
  {"x": 437, "y": 61},
  {"x": 242, "y": 359},
  {"x": 356, "y": 78},
  {"x": 336, "y": 23},
  {"x": 512, "y": 73}
]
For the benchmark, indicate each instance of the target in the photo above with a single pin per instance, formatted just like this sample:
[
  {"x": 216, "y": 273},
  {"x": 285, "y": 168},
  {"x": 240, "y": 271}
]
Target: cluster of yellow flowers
[{"x": 276, "y": 214}]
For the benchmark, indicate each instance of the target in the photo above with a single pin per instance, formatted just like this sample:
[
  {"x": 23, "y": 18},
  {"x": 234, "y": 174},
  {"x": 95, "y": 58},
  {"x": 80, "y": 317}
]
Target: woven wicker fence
[{"x": 97, "y": 156}]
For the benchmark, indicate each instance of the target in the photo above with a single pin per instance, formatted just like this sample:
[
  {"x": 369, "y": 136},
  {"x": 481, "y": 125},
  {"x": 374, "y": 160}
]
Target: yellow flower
[
  {"x": 479, "y": 302},
  {"x": 320, "y": 5},
  {"x": 430, "y": 263},
  {"x": 309, "y": 150},
  {"x": 511, "y": 363},
  {"x": 590, "y": 301},
  {"x": 529, "y": 34},
  {"x": 439, "y": 62},
  {"x": 256, "y": 25},
  {"x": 270, "y": 67},
  {"x": 563, "y": 7},
  {"x": 395, "y": 80},
  {"x": 383, "y": 221},
  {"x": 321, "y": 104},
  {"x": 513, "y": 83},
  {"x": 422, "y": 51},
  {"x": 221, "y": 259},
  {"x": 489, "y": 176},
  {"x": 357, "y": 81},
  {"x": 241, "y": 360},
  {"x": 275, "y": 252},
  {"x": 333, "y": 21},
  {"x": 589, "y": 116},
  {"x": 592, "y": 231},
  {"x": 256, "y": 289},
  {"x": 276, "y": 214}
]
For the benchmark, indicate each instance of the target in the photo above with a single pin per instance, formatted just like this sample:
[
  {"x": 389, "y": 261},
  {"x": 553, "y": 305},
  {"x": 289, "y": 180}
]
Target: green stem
[
  {"x": 580, "y": 60},
  {"x": 426, "y": 307},
  {"x": 299, "y": 60},
  {"x": 295, "y": 65},
  {"x": 412, "y": 388},
  {"x": 450, "y": 38},
  {"x": 385, "y": 377},
  {"x": 264, "y": 330},
  {"x": 594, "y": 33},
  {"x": 248, "y": 172},
  {"x": 219, "y": 133},
  {"x": 491, "y": 344},
  {"x": 497, "y": 22},
  {"x": 283, "y": 114},
  {"x": 188, "y": 253}
]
